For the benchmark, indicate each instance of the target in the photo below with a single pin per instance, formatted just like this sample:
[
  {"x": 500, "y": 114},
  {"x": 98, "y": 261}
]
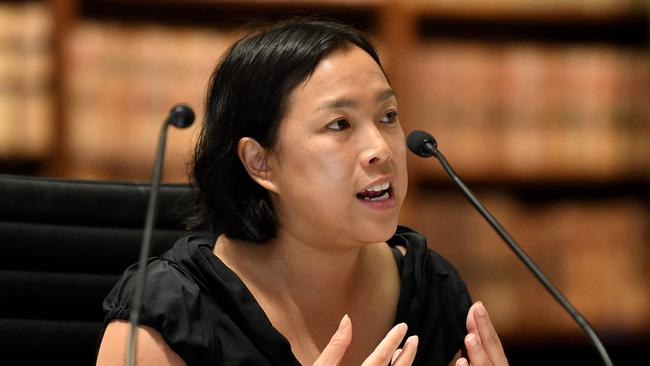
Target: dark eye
[
  {"x": 339, "y": 124},
  {"x": 390, "y": 117}
]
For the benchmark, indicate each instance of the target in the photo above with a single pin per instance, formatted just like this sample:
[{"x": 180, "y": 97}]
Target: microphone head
[
  {"x": 418, "y": 142},
  {"x": 181, "y": 116}
]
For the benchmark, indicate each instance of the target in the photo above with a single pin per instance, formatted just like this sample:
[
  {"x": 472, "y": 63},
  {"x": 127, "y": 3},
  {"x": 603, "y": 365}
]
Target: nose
[{"x": 377, "y": 151}]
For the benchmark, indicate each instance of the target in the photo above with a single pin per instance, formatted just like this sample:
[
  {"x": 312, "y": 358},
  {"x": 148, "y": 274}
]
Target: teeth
[
  {"x": 379, "y": 187},
  {"x": 380, "y": 198}
]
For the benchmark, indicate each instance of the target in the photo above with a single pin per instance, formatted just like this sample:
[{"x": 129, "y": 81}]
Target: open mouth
[{"x": 379, "y": 192}]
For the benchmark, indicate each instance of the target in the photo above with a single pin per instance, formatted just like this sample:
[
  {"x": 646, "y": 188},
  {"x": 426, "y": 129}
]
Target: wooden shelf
[
  {"x": 229, "y": 13},
  {"x": 535, "y": 190},
  {"x": 536, "y": 11},
  {"x": 252, "y": 3}
]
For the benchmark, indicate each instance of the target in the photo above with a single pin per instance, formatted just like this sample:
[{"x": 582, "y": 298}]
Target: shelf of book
[
  {"x": 26, "y": 94},
  {"x": 524, "y": 111},
  {"x": 595, "y": 250}
]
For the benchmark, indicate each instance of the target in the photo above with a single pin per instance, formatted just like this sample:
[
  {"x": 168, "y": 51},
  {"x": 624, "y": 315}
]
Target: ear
[{"x": 256, "y": 162}]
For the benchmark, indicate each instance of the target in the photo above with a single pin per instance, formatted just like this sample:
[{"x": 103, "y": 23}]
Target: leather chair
[{"x": 63, "y": 245}]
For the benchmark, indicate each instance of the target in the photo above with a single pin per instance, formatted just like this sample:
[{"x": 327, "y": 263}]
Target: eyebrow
[{"x": 348, "y": 103}]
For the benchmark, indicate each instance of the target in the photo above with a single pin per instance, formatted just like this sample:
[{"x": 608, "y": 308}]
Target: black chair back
[{"x": 63, "y": 245}]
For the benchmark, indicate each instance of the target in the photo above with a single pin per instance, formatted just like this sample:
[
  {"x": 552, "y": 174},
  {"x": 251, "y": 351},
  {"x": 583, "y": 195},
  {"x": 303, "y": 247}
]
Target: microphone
[
  {"x": 422, "y": 144},
  {"x": 180, "y": 116}
]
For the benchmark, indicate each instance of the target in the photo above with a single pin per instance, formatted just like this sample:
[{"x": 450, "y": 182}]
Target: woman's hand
[
  {"x": 385, "y": 353},
  {"x": 482, "y": 342}
]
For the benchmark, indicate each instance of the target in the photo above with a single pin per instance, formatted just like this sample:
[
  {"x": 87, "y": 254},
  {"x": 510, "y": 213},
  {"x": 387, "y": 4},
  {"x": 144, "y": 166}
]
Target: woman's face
[{"x": 339, "y": 164}]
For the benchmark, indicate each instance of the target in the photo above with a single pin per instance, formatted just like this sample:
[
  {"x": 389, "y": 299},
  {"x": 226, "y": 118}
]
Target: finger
[
  {"x": 489, "y": 338},
  {"x": 462, "y": 362},
  {"x": 395, "y": 355},
  {"x": 471, "y": 319},
  {"x": 407, "y": 354},
  {"x": 386, "y": 348},
  {"x": 338, "y": 344},
  {"x": 475, "y": 351}
]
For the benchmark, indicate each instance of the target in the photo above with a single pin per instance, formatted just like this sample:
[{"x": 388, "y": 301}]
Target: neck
[
  {"x": 316, "y": 272},
  {"x": 307, "y": 273}
]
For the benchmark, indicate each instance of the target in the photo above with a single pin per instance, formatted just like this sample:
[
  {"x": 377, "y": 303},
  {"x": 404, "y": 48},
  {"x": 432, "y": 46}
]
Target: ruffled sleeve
[{"x": 171, "y": 306}]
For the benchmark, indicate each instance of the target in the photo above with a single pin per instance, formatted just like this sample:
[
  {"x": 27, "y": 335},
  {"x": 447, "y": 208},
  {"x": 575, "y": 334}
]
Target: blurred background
[{"x": 541, "y": 106}]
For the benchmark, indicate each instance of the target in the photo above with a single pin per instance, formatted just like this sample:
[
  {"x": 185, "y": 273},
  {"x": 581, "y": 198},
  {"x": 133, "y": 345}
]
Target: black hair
[{"x": 247, "y": 97}]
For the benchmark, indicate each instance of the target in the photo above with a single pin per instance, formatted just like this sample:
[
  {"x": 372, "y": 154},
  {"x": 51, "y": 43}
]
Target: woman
[{"x": 301, "y": 168}]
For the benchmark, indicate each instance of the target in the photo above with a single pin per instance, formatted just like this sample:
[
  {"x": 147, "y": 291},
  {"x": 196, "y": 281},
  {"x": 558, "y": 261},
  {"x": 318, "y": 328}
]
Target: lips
[{"x": 377, "y": 192}]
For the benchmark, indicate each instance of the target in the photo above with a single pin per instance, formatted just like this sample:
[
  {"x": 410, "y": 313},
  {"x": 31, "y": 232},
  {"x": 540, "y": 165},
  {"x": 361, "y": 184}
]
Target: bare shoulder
[{"x": 151, "y": 347}]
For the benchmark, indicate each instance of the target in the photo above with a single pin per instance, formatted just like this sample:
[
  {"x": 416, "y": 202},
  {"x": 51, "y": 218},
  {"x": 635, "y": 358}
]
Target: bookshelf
[
  {"x": 541, "y": 107},
  {"x": 25, "y": 81}
]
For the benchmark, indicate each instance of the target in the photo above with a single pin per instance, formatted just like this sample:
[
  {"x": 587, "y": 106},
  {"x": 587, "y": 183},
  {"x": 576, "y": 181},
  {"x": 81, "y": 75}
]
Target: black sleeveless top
[{"x": 207, "y": 316}]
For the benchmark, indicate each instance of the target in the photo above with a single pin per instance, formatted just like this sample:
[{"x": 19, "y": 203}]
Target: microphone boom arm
[
  {"x": 180, "y": 116},
  {"x": 145, "y": 249},
  {"x": 581, "y": 321}
]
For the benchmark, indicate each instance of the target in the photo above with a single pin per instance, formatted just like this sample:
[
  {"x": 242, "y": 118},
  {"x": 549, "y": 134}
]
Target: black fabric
[
  {"x": 207, "y": 315},
  {"x": 434, "y": 300},
  {"x": 63, "y": 245}
]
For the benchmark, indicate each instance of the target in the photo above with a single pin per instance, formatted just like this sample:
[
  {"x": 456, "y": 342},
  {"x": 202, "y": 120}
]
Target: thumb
[{"x": 338, "y": 345}]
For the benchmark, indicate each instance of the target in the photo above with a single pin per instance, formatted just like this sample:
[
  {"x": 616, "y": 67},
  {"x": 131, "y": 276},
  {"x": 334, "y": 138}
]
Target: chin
[{"x": 377, "y": 232}]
